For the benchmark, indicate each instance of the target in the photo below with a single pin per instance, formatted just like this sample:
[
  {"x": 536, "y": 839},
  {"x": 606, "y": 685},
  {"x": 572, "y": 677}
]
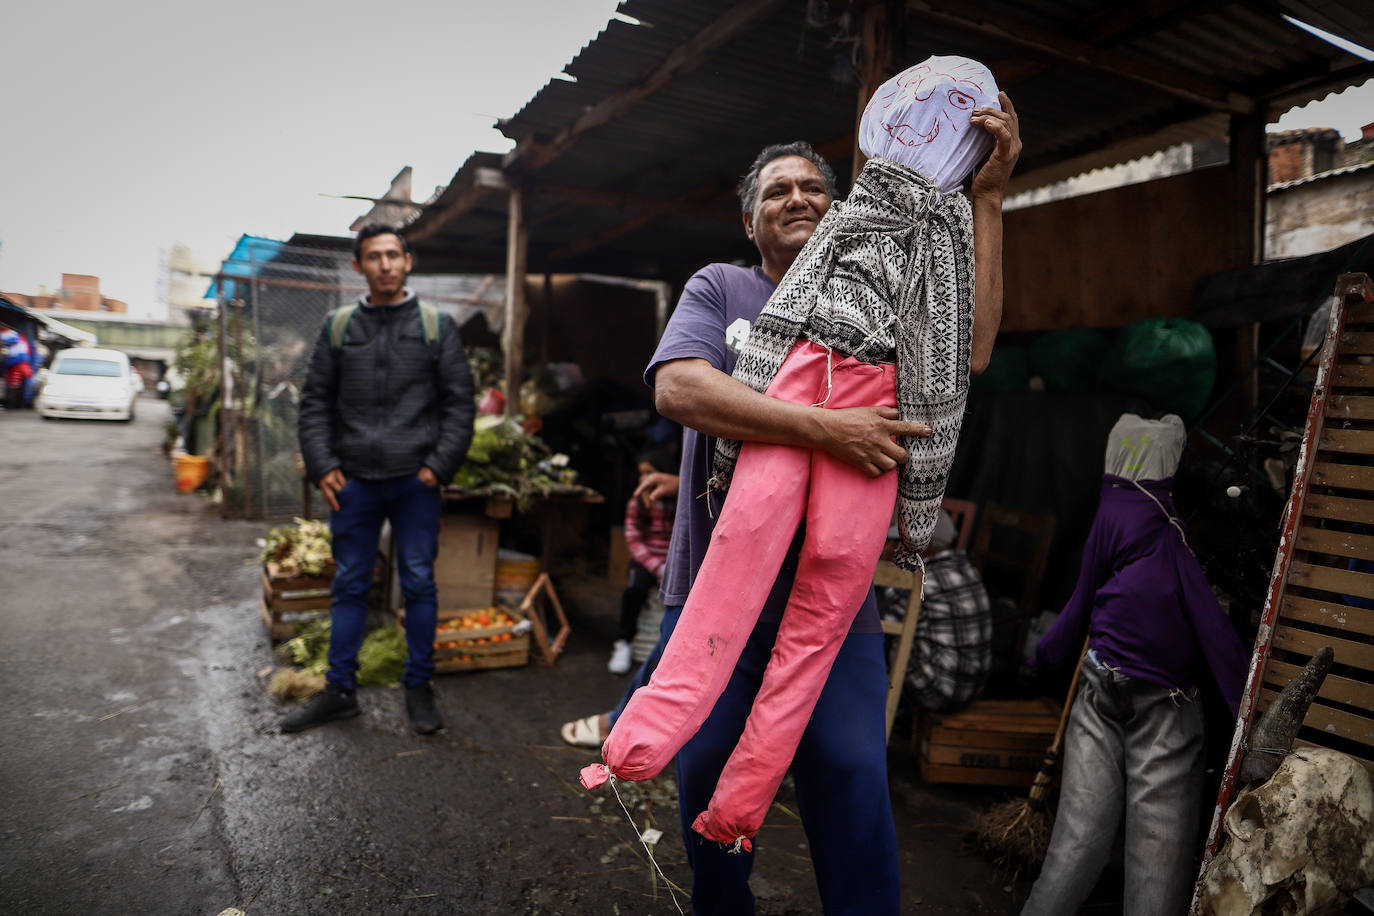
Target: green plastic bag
[
  {"x": 1169, "y": 362},
  {"x": 1069, "y": 360}
]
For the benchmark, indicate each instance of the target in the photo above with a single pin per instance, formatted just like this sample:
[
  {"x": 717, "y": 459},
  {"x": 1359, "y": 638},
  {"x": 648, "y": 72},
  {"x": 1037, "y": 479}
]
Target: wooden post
[
  {"x": 878, "y": 27},
  {"x": 517, "y": 240},
  {"x": 1249, "y": 172},
  {"x": 546, "y": 318}
]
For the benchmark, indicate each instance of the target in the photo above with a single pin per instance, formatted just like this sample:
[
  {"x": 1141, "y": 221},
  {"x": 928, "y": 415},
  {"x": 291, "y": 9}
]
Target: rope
[
  {"x": 829, "y": 377},
  {"x": 647, "y": 848},
  {"x": 1173, "y": 521}
]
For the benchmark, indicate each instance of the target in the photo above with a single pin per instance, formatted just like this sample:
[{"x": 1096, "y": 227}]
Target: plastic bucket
[
  {"x": 191, "y": 472},
  {"x": 515, "y": 575}
]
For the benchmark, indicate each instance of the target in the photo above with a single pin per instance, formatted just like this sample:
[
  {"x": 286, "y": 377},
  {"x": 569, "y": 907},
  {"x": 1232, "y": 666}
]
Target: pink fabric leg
[
  {"x": 766, "y": 501},
  {"x": 847, "y": 520}
]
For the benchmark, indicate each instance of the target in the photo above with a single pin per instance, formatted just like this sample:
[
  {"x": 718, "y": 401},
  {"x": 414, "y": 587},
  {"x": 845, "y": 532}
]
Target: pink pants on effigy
[{"x": 773, "y": 488}]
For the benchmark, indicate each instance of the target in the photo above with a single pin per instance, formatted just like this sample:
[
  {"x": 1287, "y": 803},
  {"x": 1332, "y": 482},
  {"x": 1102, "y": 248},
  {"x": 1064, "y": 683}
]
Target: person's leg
[
  {"x": 840, "y": 771},
  {"x": 646, "y": 670},
  {"x": 748, "y": 546},
  {"x": 640, "y": 583},
  {"x": 1164, "y": 774},
  {"x": 847, "y": 518},
  {"x": 414, "y": 514},
  {"x": 767, "y": 498},
  {"x": 354, "y": 531},
  {"x": 1091, "y": 798},
  {"x": 607, "y": 720},
  {"x": 720, "y": 878}
]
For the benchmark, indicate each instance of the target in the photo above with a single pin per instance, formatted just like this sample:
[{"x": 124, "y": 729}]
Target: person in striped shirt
[{"x": 648, "y": 529}]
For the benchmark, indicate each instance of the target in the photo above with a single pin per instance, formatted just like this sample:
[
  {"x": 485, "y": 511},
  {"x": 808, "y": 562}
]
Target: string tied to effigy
[{"x": 598, "y": 774}]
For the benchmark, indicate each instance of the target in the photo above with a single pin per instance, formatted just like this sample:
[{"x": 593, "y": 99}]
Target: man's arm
[
  {"x": 456, "y": 406},
  {"x": 696, "y": 394},
  {"x": 315, "y": 423},
  {"x": 988, "y": 189}
]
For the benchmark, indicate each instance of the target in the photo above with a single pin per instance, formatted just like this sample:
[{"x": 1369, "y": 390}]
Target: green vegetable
[
  {"x": 381, "y": 660},
  {"x": 301, "y": 547},
  {"x": 504, "y": 461}
]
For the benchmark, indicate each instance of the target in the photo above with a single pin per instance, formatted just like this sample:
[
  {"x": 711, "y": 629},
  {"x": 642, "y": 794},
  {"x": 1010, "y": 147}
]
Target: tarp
[{"x": 250, "y": 255}]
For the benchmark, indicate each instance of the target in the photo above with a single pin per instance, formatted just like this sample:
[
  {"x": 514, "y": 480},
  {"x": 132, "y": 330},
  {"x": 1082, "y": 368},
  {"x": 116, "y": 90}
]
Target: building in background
[
  {"x": 395, "y": 208},
  {"x": 78, "y": 293},
  {"x": 1321, "y": 191},
  {"x": 184, "y": 276}
]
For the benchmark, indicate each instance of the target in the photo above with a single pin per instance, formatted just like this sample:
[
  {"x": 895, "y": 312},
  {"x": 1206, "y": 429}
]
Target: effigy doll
[{"x": 877, "y": 310}]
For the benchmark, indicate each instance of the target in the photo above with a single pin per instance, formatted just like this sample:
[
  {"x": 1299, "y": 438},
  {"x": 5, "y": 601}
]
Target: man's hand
[
  {"x": 991, "y": 180},
  {"x": 657, "y": 485},
  {"x": 427, "y": 477},
  {"x": 862, "y": 436},
  {"x": 695, "y": 394},
  {"x": 330, "y": 485}
]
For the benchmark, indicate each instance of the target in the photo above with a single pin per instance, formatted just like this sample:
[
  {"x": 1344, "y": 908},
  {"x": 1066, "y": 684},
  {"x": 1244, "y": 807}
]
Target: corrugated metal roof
[
  {"x": 1321, "y": 176},
  {"x": 1086, "y": 77}
]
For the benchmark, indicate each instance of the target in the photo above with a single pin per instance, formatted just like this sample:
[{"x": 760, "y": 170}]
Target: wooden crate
[
  {"x": 988, "y": 742},
  {"x": 289, "y": 601},
  {"x": 471, "y": 656},
  {"x": 465, "y": 569}
]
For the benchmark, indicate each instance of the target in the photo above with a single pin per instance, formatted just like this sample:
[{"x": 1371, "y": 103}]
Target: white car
[{"x": 90, "y": 384}]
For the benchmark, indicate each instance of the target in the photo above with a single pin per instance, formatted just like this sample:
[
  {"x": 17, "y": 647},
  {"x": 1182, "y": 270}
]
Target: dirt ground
[{"x": 143, "y": 770}]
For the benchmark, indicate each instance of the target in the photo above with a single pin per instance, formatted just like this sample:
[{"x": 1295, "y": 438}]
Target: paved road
[{"x": 142, "y": 771}]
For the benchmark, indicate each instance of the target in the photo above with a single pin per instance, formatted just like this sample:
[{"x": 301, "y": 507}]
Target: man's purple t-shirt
[{"x": 712, "y": 321}]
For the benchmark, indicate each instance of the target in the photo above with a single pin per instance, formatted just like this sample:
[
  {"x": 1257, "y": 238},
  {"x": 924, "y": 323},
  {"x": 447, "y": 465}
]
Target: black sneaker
[
  {"x": 424, "y": 718},
  {"x": 329, "y": 704}
]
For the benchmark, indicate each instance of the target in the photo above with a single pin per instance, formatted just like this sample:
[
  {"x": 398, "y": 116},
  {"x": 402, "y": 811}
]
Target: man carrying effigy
[{"x": 876, "y": 311}]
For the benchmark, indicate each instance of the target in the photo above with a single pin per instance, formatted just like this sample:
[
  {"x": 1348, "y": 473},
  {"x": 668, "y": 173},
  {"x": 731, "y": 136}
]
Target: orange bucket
[
  {"x": 515, "y": 574},
  {"x": 191, "y": 472}
]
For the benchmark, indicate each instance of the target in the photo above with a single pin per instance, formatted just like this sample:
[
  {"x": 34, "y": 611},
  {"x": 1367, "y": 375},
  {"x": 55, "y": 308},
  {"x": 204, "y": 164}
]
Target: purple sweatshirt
[{"x": 1143, "y": 600}]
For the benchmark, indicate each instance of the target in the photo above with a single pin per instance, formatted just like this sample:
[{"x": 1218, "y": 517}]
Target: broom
[{"x": 1018, "y": 831}]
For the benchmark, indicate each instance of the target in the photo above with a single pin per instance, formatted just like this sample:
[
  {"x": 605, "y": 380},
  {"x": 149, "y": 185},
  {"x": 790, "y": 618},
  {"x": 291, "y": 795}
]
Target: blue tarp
[{"x": 249, "y": 257}]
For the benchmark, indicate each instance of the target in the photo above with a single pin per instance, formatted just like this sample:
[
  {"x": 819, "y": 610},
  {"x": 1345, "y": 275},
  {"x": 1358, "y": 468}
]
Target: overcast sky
[
  {"x": 127, "y": 132},
  {"x": 130, "y": 127}
]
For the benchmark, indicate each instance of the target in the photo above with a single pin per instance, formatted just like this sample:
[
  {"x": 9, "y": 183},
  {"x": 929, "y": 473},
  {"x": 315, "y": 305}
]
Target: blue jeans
[
  {"x": 840, "y": 773},
  {"x": 412, "y": 507}
]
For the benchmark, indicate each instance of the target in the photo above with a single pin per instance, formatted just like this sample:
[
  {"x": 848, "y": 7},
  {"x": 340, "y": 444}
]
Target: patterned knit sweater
[{"x": 886, "y": 277}]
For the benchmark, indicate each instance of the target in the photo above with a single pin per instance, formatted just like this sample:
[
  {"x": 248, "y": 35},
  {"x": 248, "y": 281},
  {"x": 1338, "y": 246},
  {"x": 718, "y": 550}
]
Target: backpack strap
[
  {"x": 338, "y": 324},
  {"x": 430, "y": 325}
]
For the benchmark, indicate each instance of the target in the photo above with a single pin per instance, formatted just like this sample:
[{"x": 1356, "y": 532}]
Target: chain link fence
[{"x": 273, "y": 298}]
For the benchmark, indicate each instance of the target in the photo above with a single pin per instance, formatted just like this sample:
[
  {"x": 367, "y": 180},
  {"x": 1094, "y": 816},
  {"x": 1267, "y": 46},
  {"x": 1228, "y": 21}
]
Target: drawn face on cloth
[{"x": 920, "y": 118}]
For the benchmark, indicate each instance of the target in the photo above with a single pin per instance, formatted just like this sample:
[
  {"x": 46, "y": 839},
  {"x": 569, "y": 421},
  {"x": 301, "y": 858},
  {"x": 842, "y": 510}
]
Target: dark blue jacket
[{"x": 386, "y": 402}]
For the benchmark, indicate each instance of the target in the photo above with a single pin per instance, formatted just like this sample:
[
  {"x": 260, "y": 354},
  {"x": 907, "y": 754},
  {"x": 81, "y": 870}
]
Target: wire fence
[{"x": 273, "y": 299}]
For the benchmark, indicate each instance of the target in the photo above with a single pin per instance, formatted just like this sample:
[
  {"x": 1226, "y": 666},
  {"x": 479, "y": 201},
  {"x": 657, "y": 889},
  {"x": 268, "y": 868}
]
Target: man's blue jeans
[
  {"x": 412, "y": 507},
  {"x": 840, "y": 774}
]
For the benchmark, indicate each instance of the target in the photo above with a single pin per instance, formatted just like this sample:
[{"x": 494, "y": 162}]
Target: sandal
[{"x": 583, "y": 732}]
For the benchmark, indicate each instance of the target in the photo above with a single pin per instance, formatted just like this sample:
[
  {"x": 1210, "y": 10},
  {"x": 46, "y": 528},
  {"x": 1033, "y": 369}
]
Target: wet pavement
[{"x": 142, "y": 769}]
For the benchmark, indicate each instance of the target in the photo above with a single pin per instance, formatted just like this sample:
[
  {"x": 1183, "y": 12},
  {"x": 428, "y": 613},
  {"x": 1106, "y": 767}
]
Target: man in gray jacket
[{"x": 386, "y": 419}]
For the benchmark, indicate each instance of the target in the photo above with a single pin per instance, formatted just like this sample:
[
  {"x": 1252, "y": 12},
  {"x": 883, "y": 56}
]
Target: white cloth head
[
  {"x": 1140, "y": 449},
  {"x": 920, "y": 119}
]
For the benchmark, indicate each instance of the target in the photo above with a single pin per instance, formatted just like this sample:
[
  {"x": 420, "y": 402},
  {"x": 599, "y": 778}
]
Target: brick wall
[
  {"x": 1289, "y": 162},
  {"x": 81, "y": 292}
]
